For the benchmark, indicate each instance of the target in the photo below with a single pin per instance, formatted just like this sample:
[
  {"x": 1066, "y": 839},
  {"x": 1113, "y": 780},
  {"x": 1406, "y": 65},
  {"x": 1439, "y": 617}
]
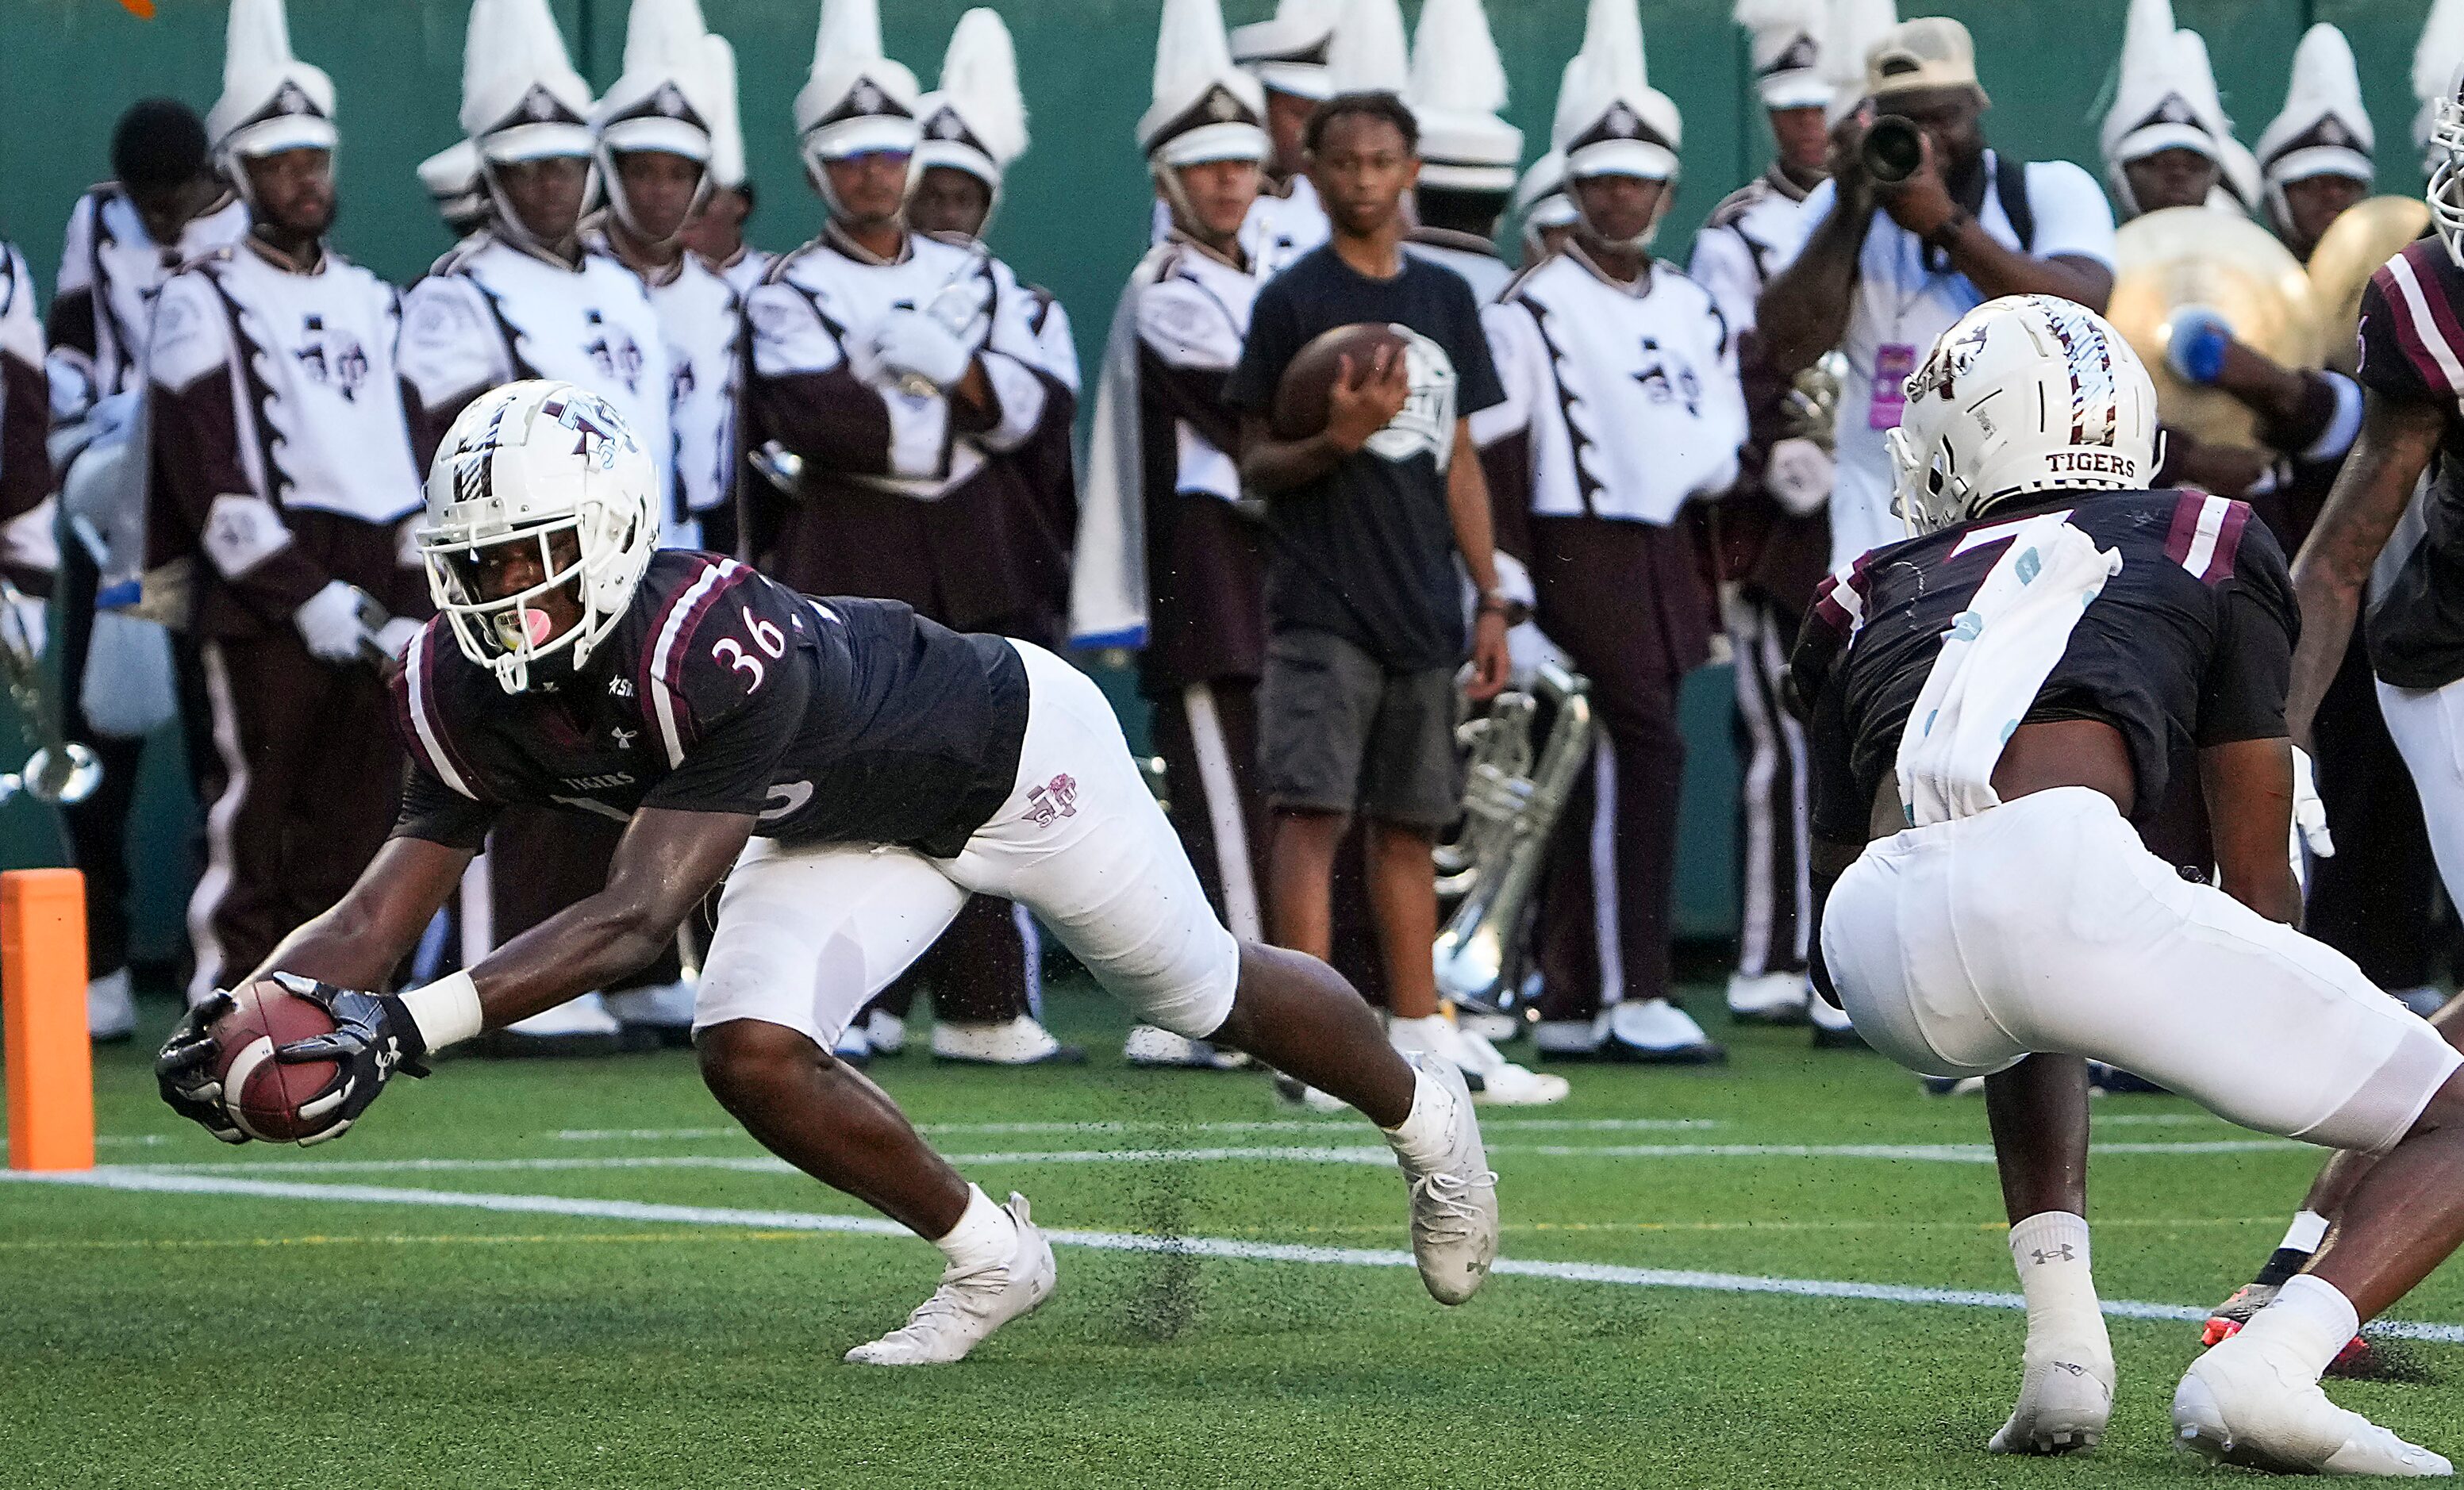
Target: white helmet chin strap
[
  {"x": 508, "y": 223},
  {"x": 606, "y": 164},
  {"x": 1639, "y": 243}
]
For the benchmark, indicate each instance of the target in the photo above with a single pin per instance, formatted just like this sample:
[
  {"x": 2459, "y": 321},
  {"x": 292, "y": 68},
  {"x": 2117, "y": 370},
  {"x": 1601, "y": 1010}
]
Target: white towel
[
  {"x": 1107, "y": 576},
  {"x": 1995, "y": 658}
]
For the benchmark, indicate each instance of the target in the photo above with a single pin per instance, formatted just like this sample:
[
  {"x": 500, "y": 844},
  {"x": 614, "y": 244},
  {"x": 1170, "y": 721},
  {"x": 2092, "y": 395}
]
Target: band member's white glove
[
  {"x": 1799, "y": 476},
  {"x": 911, "y": 341},
  {"x": 2309, "y": 813},
  {"x": 329, "y": 623},
  {"x": 395, "y": 635}
]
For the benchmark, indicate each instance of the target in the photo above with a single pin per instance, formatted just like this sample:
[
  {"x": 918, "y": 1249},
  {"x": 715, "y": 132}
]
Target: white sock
[
  {"x": 2311, "y": 1319},
  {"x": 2050, "y": 1250},
  {"x": 2308, "y": 1229},
  {"x": 985, "y": 1237},
  {"x": 1420, "y": 1138}
]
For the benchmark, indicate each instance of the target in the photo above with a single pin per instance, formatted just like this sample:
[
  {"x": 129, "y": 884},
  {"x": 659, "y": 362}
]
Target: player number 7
[{"x": 766, "y": 637}]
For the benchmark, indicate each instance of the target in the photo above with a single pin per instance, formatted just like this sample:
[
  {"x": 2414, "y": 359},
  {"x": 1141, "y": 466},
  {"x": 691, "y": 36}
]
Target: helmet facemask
[{"x": 2446, "y": 191}]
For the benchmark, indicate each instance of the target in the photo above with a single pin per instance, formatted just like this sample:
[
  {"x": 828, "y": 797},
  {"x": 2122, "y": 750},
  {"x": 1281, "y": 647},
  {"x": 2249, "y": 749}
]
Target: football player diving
[
  {"x": 1994, "y": 703},
  {"x": 853, "y": 772}
]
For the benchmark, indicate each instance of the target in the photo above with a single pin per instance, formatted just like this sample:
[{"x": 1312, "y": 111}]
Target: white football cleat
[
  {"x": 2245, "y": 1402},
  {"x": 667, "y": 1009},
  {"x": 1018, "y": 1042},
  {"x": 1768, "y": 997},
  {"x": 886, "y": 1032},
  {"x": 2065, "y": 1398},
  {"x": 1498, "y": 1029},
  {"x": 1299, "y": 1094},
  {"x": 1502, "y": 1082},
  {"x": 1454, "y": 1197},
  {"x": 854, "y": 1046},
  {"x": 110, "y": 1010},
  {"x": 1154, "y": 1047},
  {"x": 968, "y": 1307}
]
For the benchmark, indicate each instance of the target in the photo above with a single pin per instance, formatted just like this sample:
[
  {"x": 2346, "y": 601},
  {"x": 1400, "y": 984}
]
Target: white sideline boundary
[
  {"x": 1377, "y": 1154},
  {"x": 116, "y": 1177}
]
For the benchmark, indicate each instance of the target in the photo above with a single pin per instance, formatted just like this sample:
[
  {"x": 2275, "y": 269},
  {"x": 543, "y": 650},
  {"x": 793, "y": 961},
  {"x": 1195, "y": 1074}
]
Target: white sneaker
[
  {"x": 1150, "y": 1046},
  {"x": 1655, "y": 1031},
  {"x": 668, "y": 1006},
  {"x": 110, "y": 1010},
  {"x": 854, "y": 1046},
  {"x": 887, "y": 1032},
  {"x": 1769, "y": 998},
  {"x": 2065, "y": 1397},
  {"x": 576, "y": 1027},
  {"x": 1498, "y": 1029},
  {"x": 1504, "y": 1084},
  {"x": 1454, "y": 1197},
  {"x": 968, "y": 1307},
  {"x": 2248, "y": 1404},
  {"x": 1018, "y": 1042}
]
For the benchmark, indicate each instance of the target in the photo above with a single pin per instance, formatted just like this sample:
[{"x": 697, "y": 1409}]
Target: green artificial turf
[{"x": 211, "y": 1340}]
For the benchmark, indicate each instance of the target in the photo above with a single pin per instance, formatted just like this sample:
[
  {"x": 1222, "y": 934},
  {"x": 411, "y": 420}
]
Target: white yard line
[
  {"x": 153, "y": 1180},
  {"x": 1361, "y": 1153}
]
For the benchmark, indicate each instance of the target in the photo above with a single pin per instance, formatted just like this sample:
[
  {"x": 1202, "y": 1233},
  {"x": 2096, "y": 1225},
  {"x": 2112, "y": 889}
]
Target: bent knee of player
[
  {"x": 750, "y": 1062},
  {"x": 2445, "y": 1109}
]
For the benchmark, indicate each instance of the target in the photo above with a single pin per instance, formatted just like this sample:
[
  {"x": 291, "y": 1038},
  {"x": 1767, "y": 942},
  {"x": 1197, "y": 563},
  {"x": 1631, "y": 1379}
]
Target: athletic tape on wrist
[{"x": 446, "y": 1011}]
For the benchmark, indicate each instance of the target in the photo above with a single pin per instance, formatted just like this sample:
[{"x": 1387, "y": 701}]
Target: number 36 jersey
[{"x": 833, "y": 720}]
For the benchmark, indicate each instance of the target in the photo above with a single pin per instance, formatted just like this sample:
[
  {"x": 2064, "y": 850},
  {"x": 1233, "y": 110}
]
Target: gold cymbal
[
  {"x": 2363, "y": 237},
  {"x": 2184, "y": 256}
]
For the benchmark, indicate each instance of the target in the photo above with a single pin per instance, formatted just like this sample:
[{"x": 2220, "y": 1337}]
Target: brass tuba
[
  {"x": 2184, "y": 256},
  {"x": 1810, "y": 407},
  {"x": 2363, "y": 237},
  {"x": 1512, "y": 801},
  {"x": 58, "y": 771}
]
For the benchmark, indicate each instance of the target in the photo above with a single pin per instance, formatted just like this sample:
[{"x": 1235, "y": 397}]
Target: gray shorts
[{"x": 1337, "y": 732}]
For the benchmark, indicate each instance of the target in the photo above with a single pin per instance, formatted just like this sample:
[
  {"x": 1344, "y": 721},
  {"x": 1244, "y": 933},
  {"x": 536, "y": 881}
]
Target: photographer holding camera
[{"x": 1919, "y": 224}]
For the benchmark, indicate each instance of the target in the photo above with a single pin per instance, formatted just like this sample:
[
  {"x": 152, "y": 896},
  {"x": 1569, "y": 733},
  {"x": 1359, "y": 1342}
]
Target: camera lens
[{"x": 1892, "y": 150}]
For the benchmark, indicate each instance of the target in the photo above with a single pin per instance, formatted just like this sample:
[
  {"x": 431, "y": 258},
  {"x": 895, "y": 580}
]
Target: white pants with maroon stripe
[
  {"x": 807, "y": 936},
  {"x": 2043, "y": 925}
]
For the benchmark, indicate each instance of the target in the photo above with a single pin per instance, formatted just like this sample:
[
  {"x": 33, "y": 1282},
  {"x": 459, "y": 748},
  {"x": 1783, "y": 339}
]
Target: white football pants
[
  {"x": 2427, "y": 728},
  {"x": 807, "y": 936},
  {"x": 2044, "y": 925}
]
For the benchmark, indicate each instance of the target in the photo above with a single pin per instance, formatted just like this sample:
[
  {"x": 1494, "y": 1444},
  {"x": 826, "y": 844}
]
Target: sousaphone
[
  {"x": 2364, "y": 236},
  {"x": 2168, "y": 262}
]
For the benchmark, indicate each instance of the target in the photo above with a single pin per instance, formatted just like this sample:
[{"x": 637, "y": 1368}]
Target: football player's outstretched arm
[
  {"x": 666, "y": 863},
  {"x": 2397, "y": 440},
  {"x": 365, "y": 936}
]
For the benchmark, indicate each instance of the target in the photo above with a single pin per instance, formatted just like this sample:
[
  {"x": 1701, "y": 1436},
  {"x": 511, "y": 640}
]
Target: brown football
[
  {"x": 264, "y": 1094},
  {"x": 1302, "y": 397}
]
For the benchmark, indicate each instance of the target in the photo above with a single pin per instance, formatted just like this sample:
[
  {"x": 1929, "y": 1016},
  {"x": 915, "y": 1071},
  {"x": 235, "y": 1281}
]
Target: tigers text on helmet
[
  {"x": 2028, "y": 393},
  {"x": 532, "y": 462}
]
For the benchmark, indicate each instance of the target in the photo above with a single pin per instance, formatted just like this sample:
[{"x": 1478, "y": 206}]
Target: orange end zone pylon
[{"x": 42, "y": 1004}]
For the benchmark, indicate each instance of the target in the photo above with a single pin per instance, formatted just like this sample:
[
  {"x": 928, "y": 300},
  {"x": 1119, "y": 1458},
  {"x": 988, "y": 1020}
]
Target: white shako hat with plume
[
  {"x": 726, "y": 122},
  {"x": 272, "y": 101},
  {"x": 855, "y": 101},
  {"x": 666, "y": 98},
  {"x": 1458, "y": 93},
  {"x": 1856, "y": 28},
  {"x": 2164, "y": 97},
  {"x": 2437, "y": 58},
  {"x": 1204, "y": 108},
  {"x": 522, "y": 99},
  {"x": 1611, "y": 122},
  {"x": 975, "y": 120},
  {"x": 1287, "y": 54},
  {"x": 2324, "y": 129},
  {"x": 451, "y": 177},
  {"x": 1787, "y": 52}
]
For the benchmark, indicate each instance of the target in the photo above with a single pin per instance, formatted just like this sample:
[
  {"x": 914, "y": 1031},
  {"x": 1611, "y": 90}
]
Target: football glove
[
  {"x": 184, "y": 1070},
  {"x": 374, "y": 1037}
]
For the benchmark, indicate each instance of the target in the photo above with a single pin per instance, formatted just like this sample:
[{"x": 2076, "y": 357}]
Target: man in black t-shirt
[
  {"x": 1364, "y": 602},
  {"x": 1995, "y": 703},
  {"x": 853, "y": 772}
]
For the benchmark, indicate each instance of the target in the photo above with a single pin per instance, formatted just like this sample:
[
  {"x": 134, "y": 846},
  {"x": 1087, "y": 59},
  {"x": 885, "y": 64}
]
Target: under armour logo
[
  {"x": 1054, "y": 800},
  {"x": 624, "y": 738},
  {"x": 388, "y": 1056},
  {"x": 2060, "y": 1253}
]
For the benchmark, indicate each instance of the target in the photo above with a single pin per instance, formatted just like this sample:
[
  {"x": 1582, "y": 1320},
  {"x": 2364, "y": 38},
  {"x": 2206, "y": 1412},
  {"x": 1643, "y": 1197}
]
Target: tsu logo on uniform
[
  {"x": 333, "y": 357},
  {"x": 1054, "y": 800},
  {"x": 1661, "y": 384},
  {"x": 618, "y": 356}
]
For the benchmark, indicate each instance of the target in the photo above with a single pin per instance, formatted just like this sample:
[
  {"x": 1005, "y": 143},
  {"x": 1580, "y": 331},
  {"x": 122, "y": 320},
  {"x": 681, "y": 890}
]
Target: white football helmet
[
  {"x": 2446, "y": 156},
  {"x": 2026, "y": 393},
  {"x": 532, "y": 462}
]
